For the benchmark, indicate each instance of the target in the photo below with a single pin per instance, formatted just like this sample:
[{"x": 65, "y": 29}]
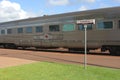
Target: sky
[{"x": 20, "y": 9}]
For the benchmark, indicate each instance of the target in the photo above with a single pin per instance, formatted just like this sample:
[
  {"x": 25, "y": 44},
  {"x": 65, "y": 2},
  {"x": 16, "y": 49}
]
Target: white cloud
[
  {"x": 90, "y": 1},
  {"x": 66, "y": 2},
  {"x": 12, "y": 11},
  {"x": 82, "y": 8},
  {"x": 58, "y": 2}
]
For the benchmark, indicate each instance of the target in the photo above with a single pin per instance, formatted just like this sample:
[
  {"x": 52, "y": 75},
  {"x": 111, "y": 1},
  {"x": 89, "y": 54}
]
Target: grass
[{"x": 56, "y": 71}]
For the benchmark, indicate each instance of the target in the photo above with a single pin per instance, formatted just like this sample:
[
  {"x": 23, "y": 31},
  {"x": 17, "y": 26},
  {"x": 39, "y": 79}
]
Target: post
[
  {"x": 85, "y": 22},
  {"x": 85, "y": 56}
]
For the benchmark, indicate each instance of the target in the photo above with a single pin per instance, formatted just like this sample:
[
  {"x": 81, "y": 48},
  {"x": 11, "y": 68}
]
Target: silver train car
[{"x": 62, "y": 30}]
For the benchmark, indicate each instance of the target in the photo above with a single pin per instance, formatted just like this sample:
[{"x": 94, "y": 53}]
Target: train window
[
  {"x": 28, "y": 29},
  {"x": 68, "y": 27},
  {"x": 39, "y": 29},
  {"x": 20, "y": 30},
  {"x": 2, "y": 31},
  {"x": 9, "y": 31},
  {"x": 105, "y": 25},
  {"x": 54, "y": 28},
  {"x": 81, "y": 27}
]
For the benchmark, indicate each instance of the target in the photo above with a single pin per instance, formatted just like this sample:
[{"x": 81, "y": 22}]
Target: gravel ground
[{"x": 10, "y": 57}]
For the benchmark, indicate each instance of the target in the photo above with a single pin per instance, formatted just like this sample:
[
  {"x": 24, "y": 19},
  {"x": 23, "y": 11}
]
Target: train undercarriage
[{"x": 113, "y": 49}]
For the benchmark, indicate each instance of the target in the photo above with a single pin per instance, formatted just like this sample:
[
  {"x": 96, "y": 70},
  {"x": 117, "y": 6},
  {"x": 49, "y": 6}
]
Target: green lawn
[{"x": 56, "y": 71}]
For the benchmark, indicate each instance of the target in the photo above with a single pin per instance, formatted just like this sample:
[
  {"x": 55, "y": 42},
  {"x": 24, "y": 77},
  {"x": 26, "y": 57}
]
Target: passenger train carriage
[{"x": 62, "y": 30}]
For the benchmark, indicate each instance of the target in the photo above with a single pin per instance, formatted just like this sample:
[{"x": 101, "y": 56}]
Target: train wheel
[
  {"x": 6, "y": 46},
  {"x": 10, "y": 46},
  {"x": 70, "y": 50},
  {"x": 114, "y": 51},
  {"x": 23, "y": 48},
  {"x": 13, "y": 46},
  {"x": 76, "y": 49},
  {"x": 117, "y": 52}
]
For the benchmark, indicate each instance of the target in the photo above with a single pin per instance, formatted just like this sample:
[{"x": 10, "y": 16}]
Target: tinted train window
[
  {"x": 28, "y": 29},
  {"x": 68, "y": 27},
  {"x": 2, "y": 31},
  {"x": 20, "y": 30},
  {"x": 105, "y": 25},
  {"x": 9, "y": 31},
  {"x": 81, "y": 27},
  {"x": 54, "y": 28},
  {"x": 39, "y": 29}
]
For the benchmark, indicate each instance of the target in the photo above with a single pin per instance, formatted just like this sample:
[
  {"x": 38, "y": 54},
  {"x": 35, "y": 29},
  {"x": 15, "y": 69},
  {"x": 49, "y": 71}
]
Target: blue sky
[
  {"x": 20, "y": 9},
  {"x": 46, "y": 7}
]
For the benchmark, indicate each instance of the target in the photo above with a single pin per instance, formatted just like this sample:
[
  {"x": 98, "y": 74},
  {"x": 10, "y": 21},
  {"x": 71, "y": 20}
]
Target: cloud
[
  {"x": 90, "y": 1},
  {"x": 68, "y": 2},
  {"x": 12, "y": 11},
  {"x": 86, "y": 1},
  {"x": 59, "y": 2},
  {"x": 82, "y": 8}
]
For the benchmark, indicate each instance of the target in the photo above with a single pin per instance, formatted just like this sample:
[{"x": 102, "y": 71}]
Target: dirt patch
[{"x": 6, "y": 61}]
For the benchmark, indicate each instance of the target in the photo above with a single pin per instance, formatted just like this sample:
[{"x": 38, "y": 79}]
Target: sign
[{"x": 86, "y": 21}]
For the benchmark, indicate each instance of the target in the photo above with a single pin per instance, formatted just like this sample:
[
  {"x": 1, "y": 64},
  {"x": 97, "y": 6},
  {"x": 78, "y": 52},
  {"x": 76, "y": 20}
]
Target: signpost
[
  {"x": 85, "y": 22},
  {"x": 85, "y": 57}
]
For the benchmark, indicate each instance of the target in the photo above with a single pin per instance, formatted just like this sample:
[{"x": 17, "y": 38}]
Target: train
[{"x": 63, "y": 31}]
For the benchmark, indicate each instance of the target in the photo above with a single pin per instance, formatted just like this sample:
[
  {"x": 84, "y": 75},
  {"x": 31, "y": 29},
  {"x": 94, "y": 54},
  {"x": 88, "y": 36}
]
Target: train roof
[{"x": 110, "y": 10}]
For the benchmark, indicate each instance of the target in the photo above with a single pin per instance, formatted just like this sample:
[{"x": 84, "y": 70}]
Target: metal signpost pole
[
  {"x": 85, "y": 22},
  {"x": 85, "y": 56}
]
